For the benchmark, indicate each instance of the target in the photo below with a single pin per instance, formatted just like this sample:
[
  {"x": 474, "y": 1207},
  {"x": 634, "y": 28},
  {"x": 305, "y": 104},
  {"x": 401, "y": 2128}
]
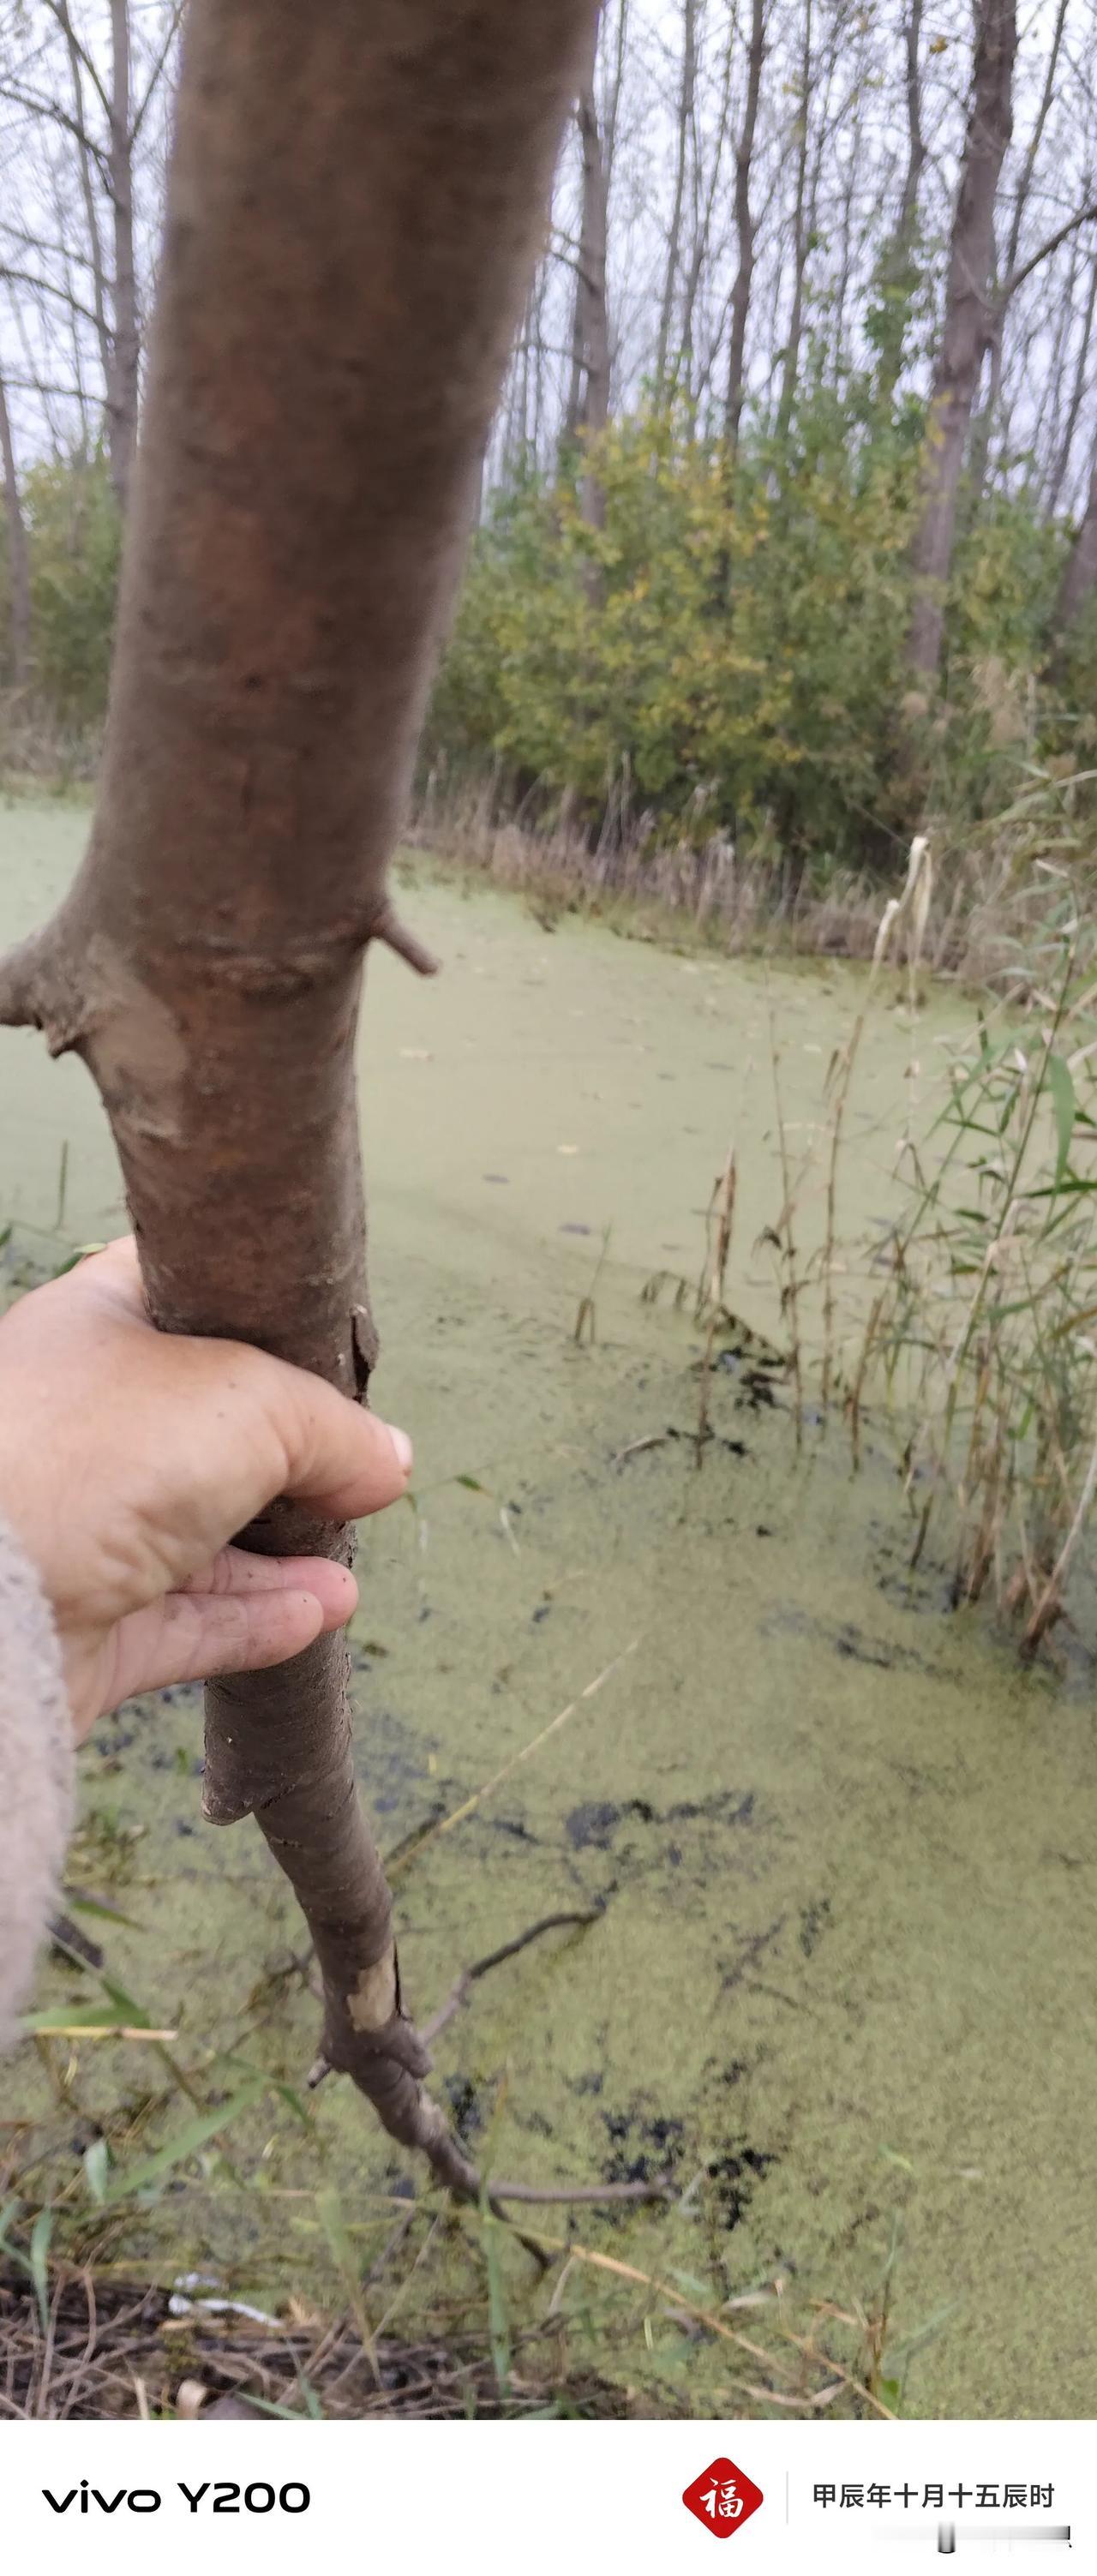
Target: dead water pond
[{"x": 841, "y": 1851}]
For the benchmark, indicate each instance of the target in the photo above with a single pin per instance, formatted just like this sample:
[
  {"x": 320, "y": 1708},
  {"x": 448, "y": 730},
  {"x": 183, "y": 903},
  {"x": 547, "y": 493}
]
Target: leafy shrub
[{"x": 728, "y": 642}]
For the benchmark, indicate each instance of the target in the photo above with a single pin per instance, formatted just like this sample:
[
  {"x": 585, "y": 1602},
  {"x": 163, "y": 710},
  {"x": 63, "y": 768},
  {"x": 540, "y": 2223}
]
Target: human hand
[{"x": 128, "y": 1459}]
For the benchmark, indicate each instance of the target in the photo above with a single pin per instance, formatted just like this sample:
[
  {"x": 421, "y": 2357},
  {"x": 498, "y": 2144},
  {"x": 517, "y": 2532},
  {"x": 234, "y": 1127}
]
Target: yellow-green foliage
[
  {"x": 723, "y": 653},
  {"x": 74, "y": 541},
  {"x": 728, "y": 644}
]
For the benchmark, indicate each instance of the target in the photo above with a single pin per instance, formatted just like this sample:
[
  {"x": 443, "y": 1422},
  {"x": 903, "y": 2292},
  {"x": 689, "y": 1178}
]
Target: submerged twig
[
  {"x": 632, "y": 1449},
  {"x": 660, "y": 2187},
  {"x": 459, "y": 1991}
]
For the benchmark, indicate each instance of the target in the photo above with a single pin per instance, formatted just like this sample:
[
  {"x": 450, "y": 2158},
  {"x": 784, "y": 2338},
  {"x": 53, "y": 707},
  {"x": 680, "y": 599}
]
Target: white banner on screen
[{"x": 488, "y": 2497}]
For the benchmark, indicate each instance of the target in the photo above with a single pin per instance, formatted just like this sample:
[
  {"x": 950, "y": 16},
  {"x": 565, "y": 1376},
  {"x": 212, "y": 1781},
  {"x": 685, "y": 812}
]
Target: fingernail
[{"x": 402, "y": 1446}]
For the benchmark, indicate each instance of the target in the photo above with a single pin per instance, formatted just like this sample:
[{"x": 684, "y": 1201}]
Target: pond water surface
[{"x": 842, "y": 1852}]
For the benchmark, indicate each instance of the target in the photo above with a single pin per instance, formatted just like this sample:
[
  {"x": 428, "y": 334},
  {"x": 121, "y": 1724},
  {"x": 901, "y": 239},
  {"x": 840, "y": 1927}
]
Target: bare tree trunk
[
  {"x": 984, "y": 425},
  {"x": 745, "y": 226},
  {"x": 615, "y": 87},
  {"x": 841, "y": 291},
  {"x": 800, "y": 238},
  {"x": 18, "y": 558},
  {"x": 686, "y": 95},
  {"x": 1053, "y": 374},
  {"x": 1079, "y": 575},
  {"x": 126, "y": 351},
  {"x": 703, "y": 211},
  {"x": 1081, "y": 369},
  {"x": 355, "y": 202},
  {"x": 916, "y": 146},
  {"x": 896, "y": 269},
  {"x": 591, "y": 310},
  {"x": 963, "y": 335},
  {"x": 86, "y": 164},
  {"x": 573, "y": 407}
]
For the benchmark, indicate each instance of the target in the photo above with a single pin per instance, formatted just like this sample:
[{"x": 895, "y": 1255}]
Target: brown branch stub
[
  {"x": 35, "y": 992},
  {"x": 16, "y": 990},
  {"x": 590, "y": 2194},
  {"x": 462, "y": 1986},
  {"x": 394, "y": 933}
]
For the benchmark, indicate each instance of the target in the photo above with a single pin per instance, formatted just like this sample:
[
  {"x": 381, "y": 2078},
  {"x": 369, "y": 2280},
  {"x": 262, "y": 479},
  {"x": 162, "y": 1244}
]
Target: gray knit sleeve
[{"x": 37, "y": 1769}]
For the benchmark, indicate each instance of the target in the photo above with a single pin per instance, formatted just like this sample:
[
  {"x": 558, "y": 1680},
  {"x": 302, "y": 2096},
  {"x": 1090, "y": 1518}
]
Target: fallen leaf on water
[{"x": 567, "y": 1149}]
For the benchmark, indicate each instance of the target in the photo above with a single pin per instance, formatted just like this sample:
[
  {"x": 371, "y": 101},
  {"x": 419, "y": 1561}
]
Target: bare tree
[
  {"x": 1079, "y": 575},
  {"x": 964, "y": 327},
  {"x": 90, "y": 107},
  {"x": 18, "y": 559},
  {"x": 898, "y": 274},
  {"x": 92, "y": 171},
  {"x": 1061, "y": 462},
  {"x": 705, "y": 194},
  {"x": 683, "y": 148},
  {"x": 801, "y": 228},
  {"x": 126, "y": 348},
  {"x": 1013, "y": 272},
  {"x": 615, "y": 85},
  {"x": 588, "y": 400},
  {"x": 745, "y": 228},
  {"x": 355, "y": 203}
]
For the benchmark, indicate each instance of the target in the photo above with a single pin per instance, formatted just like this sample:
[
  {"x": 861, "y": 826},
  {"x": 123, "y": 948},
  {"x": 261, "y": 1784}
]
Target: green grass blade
[
  {"x": 77, "y": 2017},
  {"x": 150, "y": 2170},
  {"x": 1064, "y": 1104}
]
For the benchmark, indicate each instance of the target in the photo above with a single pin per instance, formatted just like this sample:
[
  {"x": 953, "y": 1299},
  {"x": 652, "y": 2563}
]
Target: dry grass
[
  {"x": 40, "y": 753},
  {"x": 111, "y": 2349},
  {"x": 982, "y": 1294},
  {"x": 655, "y": 890},
  {"x": 743, "y": 899}
]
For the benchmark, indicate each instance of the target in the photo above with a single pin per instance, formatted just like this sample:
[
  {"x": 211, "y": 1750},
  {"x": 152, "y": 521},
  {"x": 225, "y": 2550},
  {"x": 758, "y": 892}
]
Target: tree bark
[
  {"x": 963, "y": 336},
  {"x": 18, "y": 558},
  {"x": 355, "y": 202},
  {"x": 745, "y": 227}
]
